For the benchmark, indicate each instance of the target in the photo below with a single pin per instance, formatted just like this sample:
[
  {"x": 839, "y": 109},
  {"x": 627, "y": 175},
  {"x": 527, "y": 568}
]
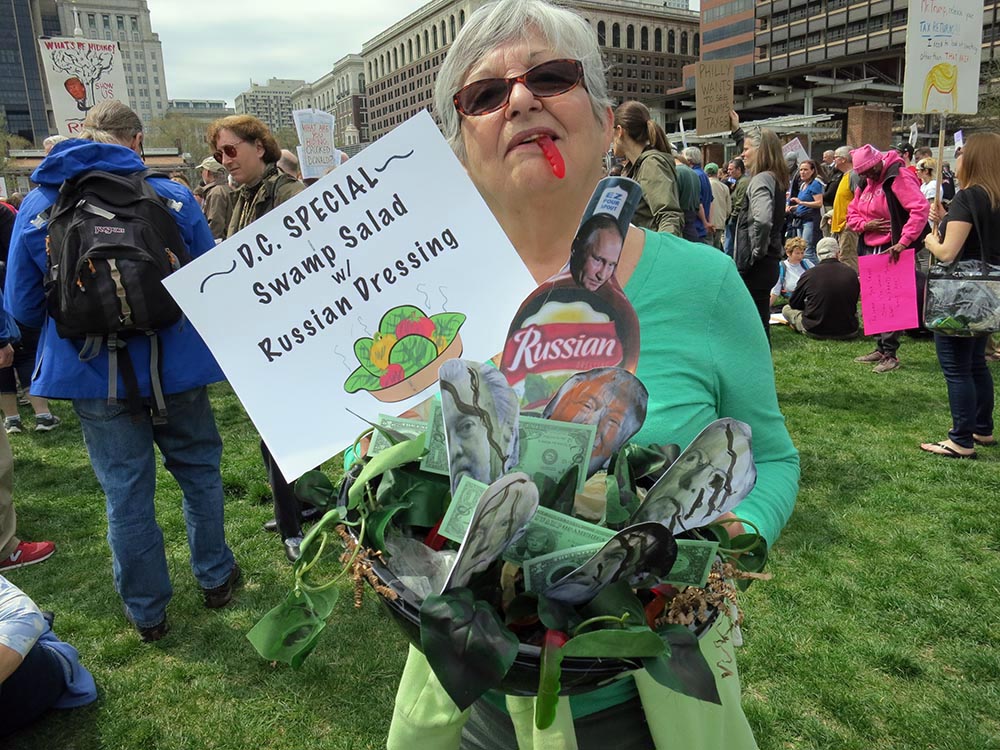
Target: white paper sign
[
  {"x": 943, "y": 49},
  {"x": 352, "y": 294},
  {"x": 316, "y": 152},
  {"x": 795, "y": 148},
  {"x": 959, "y": 139},
  {"x": 81, "y": 73}
]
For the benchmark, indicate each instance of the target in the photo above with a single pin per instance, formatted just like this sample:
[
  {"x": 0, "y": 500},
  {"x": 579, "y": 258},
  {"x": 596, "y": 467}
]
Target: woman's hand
[
  {"x": 734, "y": 121},
  {"x": 876, "y": 225},
  {"x": 937, "y": 213}
]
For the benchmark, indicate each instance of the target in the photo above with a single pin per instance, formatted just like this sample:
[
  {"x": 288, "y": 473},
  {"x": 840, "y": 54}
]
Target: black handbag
[{"x": 963, "y": 298}]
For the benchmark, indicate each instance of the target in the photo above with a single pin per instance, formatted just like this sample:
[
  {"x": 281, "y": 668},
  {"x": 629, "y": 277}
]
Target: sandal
[
  {"x": 987, "y": 441},
  {"x": 943, "y": 449}
]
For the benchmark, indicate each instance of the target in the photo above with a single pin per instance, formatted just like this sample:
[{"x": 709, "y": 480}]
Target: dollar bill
[
  {"x": 436, "y": 459},
  {"x": 409, "y": 427},
  {"x": 693, "y": 563},
  {"x": 552, "y": 448},
  {"x": 540, "y": 572},
  {"x": 463, "y": 504},
  {"x": 550, "y": 531}
]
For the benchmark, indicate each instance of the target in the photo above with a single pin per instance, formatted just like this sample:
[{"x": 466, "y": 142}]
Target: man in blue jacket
[{"x": 120, "y": 444}]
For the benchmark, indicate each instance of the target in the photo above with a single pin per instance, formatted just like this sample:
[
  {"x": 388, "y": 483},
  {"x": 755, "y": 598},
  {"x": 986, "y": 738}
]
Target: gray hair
[
  {"x": 111, "y": 122},
  {"x": 844, "y": 152},
  {"x": 506, "y": 21},
  {"x": 693, "y": 156},
  {"x": 52, "y": 140}
]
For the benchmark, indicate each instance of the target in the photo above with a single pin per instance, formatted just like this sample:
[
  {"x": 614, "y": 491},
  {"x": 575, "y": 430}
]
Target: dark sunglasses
[
  {"x": 229, "y": 150},
  {"x": 544, "y": 80}
]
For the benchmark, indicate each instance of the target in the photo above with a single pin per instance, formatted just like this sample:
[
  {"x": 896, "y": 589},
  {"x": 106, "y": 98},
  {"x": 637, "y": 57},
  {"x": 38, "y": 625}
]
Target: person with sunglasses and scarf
[
  {"x": 522, "y": 99},
  {"x": 246, "y": 148}
]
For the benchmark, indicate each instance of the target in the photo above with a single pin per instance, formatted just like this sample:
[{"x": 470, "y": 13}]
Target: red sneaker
[{"x": 28, "y": 553}]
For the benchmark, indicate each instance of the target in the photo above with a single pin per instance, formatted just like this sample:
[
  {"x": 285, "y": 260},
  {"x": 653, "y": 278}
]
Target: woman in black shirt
[{"x": 973, "y": 223}]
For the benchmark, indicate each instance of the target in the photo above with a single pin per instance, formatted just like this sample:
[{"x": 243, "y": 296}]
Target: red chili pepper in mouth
[{"x": 555, "y": 158}]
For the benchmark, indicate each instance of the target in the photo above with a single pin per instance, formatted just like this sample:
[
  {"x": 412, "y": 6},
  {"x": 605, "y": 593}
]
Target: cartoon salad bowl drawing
[{"x": 403, "y": 356}]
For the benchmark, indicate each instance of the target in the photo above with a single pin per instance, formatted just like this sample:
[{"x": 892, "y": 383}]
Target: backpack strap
[{"x": 159, "y": 403}]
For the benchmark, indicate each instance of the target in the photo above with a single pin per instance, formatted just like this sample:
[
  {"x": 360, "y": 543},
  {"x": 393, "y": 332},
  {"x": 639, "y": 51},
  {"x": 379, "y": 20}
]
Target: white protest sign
[
  {"x": 81, "y": 73},
  {"x": 795, "y": 148},
  {"x": 943, "y": 49},
  {"x": 316, "y": 152},
  {"x": 959, "y": 139},
  {"x": 352, "y": 294}
]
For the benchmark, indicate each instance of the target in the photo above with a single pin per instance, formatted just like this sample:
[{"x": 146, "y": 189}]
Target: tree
[
  {"x": 286, "y": 138},
  {"x": 988, "y": 117},
  {"x": 8, "y": 141},
  {"x": 184, "y": 133}
]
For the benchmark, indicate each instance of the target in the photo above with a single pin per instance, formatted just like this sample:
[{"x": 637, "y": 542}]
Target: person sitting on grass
[
  {"x": 37, "y": 670},
  {"x": 790, "y": 270},
  {"x": 825, "y": 302}
]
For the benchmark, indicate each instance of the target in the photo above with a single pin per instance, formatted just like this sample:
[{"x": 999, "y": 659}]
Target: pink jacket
[{"x": 870, "y": 203}]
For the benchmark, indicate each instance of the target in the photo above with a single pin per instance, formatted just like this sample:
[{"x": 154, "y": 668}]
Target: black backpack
[{"x": 111, "y": 241}]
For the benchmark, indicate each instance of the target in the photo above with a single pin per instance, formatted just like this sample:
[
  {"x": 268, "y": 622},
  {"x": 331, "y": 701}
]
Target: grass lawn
[{"x": 877, "y": 631}]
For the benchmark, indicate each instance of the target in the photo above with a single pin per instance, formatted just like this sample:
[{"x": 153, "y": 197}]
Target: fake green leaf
[
  {"x": 466, "y": 645},
  {"x": 616, "y": 600},
  {"x": 683, "y": 668},
  {"x": 315, "y": 488},
  {"x": 289, "y": 632},
  {"x": 362, "y": 380},
  {"x": 310, "y": 543},
  {"x": 428, "y": 495},
  {"x": 378, "y": 521},
  {"x": 549, "y": 679},
  {"x": 647, "y": 463},
  {"x": 563, "y": 494},
  {"x": 447, "y": 324},
  {"x": 363, "y": 351},
  {"x": 392, "y": 317},
  {"x": 614, "y": 515},
  {"x": 413, "y": 353},
  {"x": 556, "y": 615},
  {"x": 612, "y": 643},
  {"x": 393, "y": 456},
  {"x": 753, "y": 559}
]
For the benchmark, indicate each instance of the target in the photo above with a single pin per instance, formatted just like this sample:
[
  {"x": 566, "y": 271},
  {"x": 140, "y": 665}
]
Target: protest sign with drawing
[
  {"x": 353, "y": 293},
  {"x": 81, "y": 73},
  {"x": 943, "y": 50},
  {"x": 714, "y": 96},
  {"x": 317, "y": 154}
]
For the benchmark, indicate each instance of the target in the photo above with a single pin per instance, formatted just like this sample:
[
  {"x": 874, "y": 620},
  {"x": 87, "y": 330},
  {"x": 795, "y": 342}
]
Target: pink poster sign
[{"x": 888, "y": 292}]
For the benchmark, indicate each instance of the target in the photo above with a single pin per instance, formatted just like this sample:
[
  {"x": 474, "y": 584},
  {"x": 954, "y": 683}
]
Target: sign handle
[{"x": 938, "y": 170}]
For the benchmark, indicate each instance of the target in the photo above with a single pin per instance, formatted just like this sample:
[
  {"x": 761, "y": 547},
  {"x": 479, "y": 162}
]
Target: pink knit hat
[{"x": 865, "y": 158}]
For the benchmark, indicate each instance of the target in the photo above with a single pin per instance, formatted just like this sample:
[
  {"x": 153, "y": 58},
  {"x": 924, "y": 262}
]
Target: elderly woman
[
  {"x": 512, "y": 108},
  {"x": 246, "y": 148}
]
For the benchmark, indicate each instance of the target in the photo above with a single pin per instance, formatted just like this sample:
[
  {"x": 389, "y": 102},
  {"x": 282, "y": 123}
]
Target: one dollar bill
[
  {"x": 409, "y": 427},
  {"x": 541, "y": 572},
  {"x": 552, "y": 448},
  {"x": 693, "y": 563},
  {"x": 463, "y": 504},
  {"x": 436, "y": 458}
]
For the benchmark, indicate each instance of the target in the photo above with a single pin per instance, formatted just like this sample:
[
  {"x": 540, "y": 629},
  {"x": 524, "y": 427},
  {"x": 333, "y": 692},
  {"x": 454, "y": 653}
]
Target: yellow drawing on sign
[{"x": 943, "y": 78}]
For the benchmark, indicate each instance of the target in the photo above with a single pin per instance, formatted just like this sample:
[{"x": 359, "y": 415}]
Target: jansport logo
[{"x": 109, "y": 230}]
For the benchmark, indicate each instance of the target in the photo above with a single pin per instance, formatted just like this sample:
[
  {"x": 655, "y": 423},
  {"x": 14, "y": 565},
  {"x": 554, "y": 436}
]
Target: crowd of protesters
[{"x": 794, "y": 230}]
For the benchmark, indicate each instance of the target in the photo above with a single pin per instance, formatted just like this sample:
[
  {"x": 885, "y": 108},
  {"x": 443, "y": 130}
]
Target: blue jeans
[
  {"x": 970, "y": 386},
  {"x": 727, "y": 246},
  {"x": 809, "y": 231},
  {"x": 121, "y": 452}
]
